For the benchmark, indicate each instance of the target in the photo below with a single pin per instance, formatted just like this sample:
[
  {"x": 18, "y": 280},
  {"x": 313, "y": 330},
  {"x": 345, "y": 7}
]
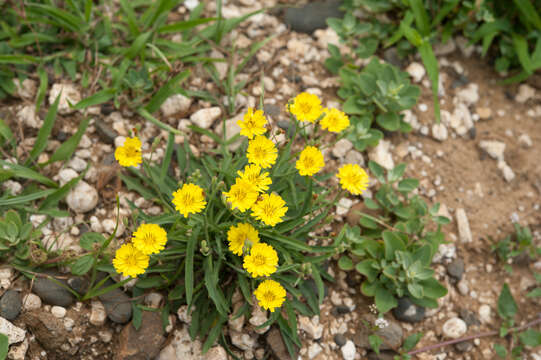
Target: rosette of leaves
[
  {"x": 518, "y": 246},
  {"x": 198, "y": 270},
  {"x": 374, "y": 98},
  {"x": 392, "y": 247},
  {"x": 15, "y": 234}
]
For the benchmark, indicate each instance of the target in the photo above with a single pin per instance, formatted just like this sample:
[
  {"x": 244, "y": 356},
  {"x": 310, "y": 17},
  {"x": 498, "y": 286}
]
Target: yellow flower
[
  {"x": 261, "y": 151},
  {"x": 262, "y": 261},
  {"x": 270, "y": 295},
  {"x": 189, "y": 199},
  {"x": 149, "y": 238},
  {"x": 238, "y": 235},
  {"x": 242, "y": 195},
  {"x": 129, "y": 261},
  {"x": 270, "y": 209},
  {"x": 129, "y": 154},
  {"x": 334, "y": 120},
  {"x": 252, "y": 174},
  {"x": 253, "y": 123},
  {"x": 353, "y": 178},
  {"x": 306, "y": 107},
  {"x": 310, "y": 161}
]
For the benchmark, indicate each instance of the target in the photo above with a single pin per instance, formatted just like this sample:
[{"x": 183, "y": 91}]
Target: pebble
[
  {"x": 181, "y": 347},
  {"x": 97, "y": 313},
  {"x": 382, "y": 155},
  {"x": 117, "y": 305},
  {"x": 456, "y": 269},
  {"x": 52, "y": 293},
  {"x": 312, "y": 16},
  {"x": 191, "y": 4},
  {"x": 312, "y": 327},
  {"x": 454, "y": 328},
  {"x": 66, "y": 175},
  {"x": 68, "y": 94},
  {"x": 58, "y": 311},
  {"x": 469, "y": 317},
  {"x": 18, "y": 352},
  {"x": 341, "y": 148},
  {"x": 106, "y": 134},
  {"x": 82, "y": 198},
  {"x": 176, "y": 104},
  {"x": 258, "y": 318},
  {"x": 343, "y": 206},
  {"x": 484, "y": 113},
  {"x": 525, "y": 140},
  {"x": 31, "y": 302},
  {"x": 439, "y": 132},
  {"x": 205, "y": 117},
  {"x": 215, "y": 353},
  {"x": 485, "y": 314},
  {"x": 462, "y": 287},
  {"x": 354, "y": 157},
  {"x": 416, "y": 71},
  {"x": 464, "y": 232},
  {"x": 340, "y": 339},
  {"x": 493, "y": 148},
  {"x": 469, "y": 95},
  {"x": 408, "y": 312},
  {"x": 77, "y": 164},
  {"x": 506, "y": 170},
  {"x": 10, "y": 305},
  {"x": 314, "y": 350},
  {"x": 243, "y": 341},
  {"x": 525, "y": 93},
  {"x": 27, "y": 115},
  {"x": 348, "y": 350},
  {"x": 143, "y": 343},
  {"x": 26, "y": 89},
  {"x": 14, "y": 333},
  {"x": 464, "y": 346}
]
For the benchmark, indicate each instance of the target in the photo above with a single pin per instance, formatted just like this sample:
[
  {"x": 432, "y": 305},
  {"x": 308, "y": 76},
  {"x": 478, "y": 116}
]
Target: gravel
[{"x": 10, "y": 305}]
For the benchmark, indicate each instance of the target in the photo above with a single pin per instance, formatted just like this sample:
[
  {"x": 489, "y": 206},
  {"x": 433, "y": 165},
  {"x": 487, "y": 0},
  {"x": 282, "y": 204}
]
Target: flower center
[
  {"x": 259, "y": 152},
  {"x": 269, "y": 296},
  {"x": 131, "y": 151},
  {"x": 305, "y": 107},
  {"x": 240, "y": 194},
  {"x": 131, "y": 260},
  {"x": 188, "y": 200},
  {"x": 259, "y": 260},
  {"x": 308, "y": 162},
  {"x": 148, "y": 239}
]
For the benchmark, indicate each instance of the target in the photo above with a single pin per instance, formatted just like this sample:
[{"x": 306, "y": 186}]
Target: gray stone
[
  {"x": 205, "y": 117},
  {"x": 408, "y": 312},
  {"x": 276, "y": 343},
  {"x": 464, "y": 346},
  {"x": 10, "y": 305},
  {"x": 392, "y": 335},
  {"x": 105, "y": 132},
  {"x": 456, "y": 269},
  {"x": 469, "y": 317},
  {"x": 82, "y": 198},
  {"x": 312, "y": 16},
  {"x": 52, "y": 293},
  {"x": 117, "y": 304},
  {"x": 340, "y": 339}
]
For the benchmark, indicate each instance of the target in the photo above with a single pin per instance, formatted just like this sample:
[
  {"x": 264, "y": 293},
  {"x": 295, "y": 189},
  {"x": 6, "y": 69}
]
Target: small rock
[
  {"x": 27, "y": 115},
  {"x": 341, "y": 147},
  {"x": 312, "y": 327},
  {"x": 14, "y": 333},
  {"x": 10, "y": 305},
  {"x": 416, "y": 71},
  {"x": 454, "y": 328},
  {"x": 176, "y": 104},
  {"x": 144, "y": 343},
  {"x": 105, "y": 132},
  {"x": 117, "y": 304},
  {"x": 485, "y": 314},
  {"x": 258, "y": 318},
  {"x": 181, "y": 347},
  {"x": 484, "y": 113},
  {"x": 215, "y": 353},
  {"x": 243, "y": 341},
  {"x": 340, "y": 339},
  {"x": 231, "y": 129},
  {"x": 456, "y": 269},
  {"x": 525, "y": 140},
  {"x": 464, "y": 346},
  {"x": 469, "y": 317},
  {"x": 205, "y": 117},
  {"x": 348, "y": 350},
  {"x": 66, "y": 175},
  {"x": 314, "y": 350},
  {"x": 97, "y": 314},
  {"x": 26, "y": 89},
  {"x": 312, "y": 16},
  {"x": 106, "y": 336},
  {"x": 469, "y": 95},
  {"x": 52, "y": 293},
  {"x": 382, "y": 155},
  {"x": 445, "y": 48},
  {"x": 276, "y": 343},
  {"x": 82, "y": 198},
  {"x": 464, "y": 232},
  {"x": 506, "y": 170},
  {"x": 153, "y": 300},
  {"x": 408, "y": 312},
  {"x": 77, "y": 164},
  {"x": 31, "y": 302},
  {"x": 343, "y": 206},
  {"x": 493, "y": 148},
  {"x": 392, "y": 335},
  {"x": 79, "y": 284},
  {"x": 68, "y": 94},
  {"x": 354, "y": 157},
  {"x": 525, "y": 93},
  {"x": 462, "y": 287},
  {"x": 58, "y": 311},
  {"x": 191, "y": 4},
  {"x": 439, "y": 132},
  {"x": 18, "y": 352}
]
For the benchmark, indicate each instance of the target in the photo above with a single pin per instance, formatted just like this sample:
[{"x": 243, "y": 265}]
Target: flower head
[
  {"x": 149, "y": 238},
  {"x": 129, "y": 154},
  {"x": 253, "y": 174},
  {"x": 253, "y": 123},
  {"x": 270, "y": 209},
  {"x": 306, "y": 107},
  {"x": 261, "y": 151},
  {"x": 310, "y": 161},
  {"x": 189, "y": 199},
  {"x": 239, "y": 235},
  {"x": 270, "y": 295},
  {"x": 129, "y": 261},
  {"x": 262, "y": 260},
  {"x": 242, "y": 195},
  {"x": 334, "y": 120},
  {"x": 353, "y": 178}
]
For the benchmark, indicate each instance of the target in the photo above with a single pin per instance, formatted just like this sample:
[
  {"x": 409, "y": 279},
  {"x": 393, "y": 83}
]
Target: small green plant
[
  {"x": 393, "y": 249},
  {"x": 518, "y": 338},
  {"x": 374, "y": 97},
  {"x": 518, "y": 244},
  {"x": 16, "y": 233}
]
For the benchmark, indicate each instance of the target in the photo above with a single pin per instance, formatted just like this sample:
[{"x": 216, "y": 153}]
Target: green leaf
[
  {"x": 368, "y": 269},
  {"x": 82, "y": 265},
  {"x": 396, "y": 173},
  {"x": 44, "y": 131},
  {"x": 137, "y": 316},
  {"x": 377, "y": 170},
  {"x": 184, "y": 25},
  {"x": 375, "y": 342},
  {"x": 88, "y": 239},
  {"x": 26, "y": 173},
  {"x": 431, "y": 64},
  {"x": 168, "y": 89},
  {"x": 95, "y": 99},
  {"x": 150, "y": 282},
  {"x": 60, "y": 193},
  {"x": 411, "y": 341},
  {"x": 500, "y": 350},
  {"x": 534, "y": 293},
  {"x": 529, "y": 12},
  {"x": 530, "y": 338},
  {"x": 507, "y": 307},
  {"x": 137, "y": 45},
  {"x": 384, "y": 300},
  {"x": 421, "y": 16},
  {"x": 407, "y": 185},
  {"x": 345, "y": 263},
  {"x": 392, "y": 243},
  {"x": 68, "y": 147},
  {"x": 389, "y": 121},
  {"x": 6, "y": 133},
  {"x": 521, "y": 49},
  {"x": 43, "y": 83},
  {"x": 433, "y": 289},
  {"x": 416, "y": 290},
  {"x": 188, "y": 265},
  {"x": 4, "y": 346}
]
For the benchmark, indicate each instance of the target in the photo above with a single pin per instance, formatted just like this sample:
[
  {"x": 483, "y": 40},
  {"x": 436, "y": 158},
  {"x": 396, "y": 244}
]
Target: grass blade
[
  {"x": 421, "y": 17},
  {"x": 170, "y": 88},
  {"x": 183, "y": 25},
  {"x": 521, "y": 47},
  {"x": 26, "y": 173},
  {"x": 18, "y": 59},
  {"x": 67, "y": 148},
  {"x": 43, "y": 84},
  {"x": 45, "y": 131},
  {"x": 529, "y": 12},
  {"x": 188, "y": 270},
  {"x": 168, "y": 155},
  {"x": 26, "y": 198},
  {"x": 431, "y": 64},
  {"x": 98, "y": 98},
  {"x": 144, "y": 113}
]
